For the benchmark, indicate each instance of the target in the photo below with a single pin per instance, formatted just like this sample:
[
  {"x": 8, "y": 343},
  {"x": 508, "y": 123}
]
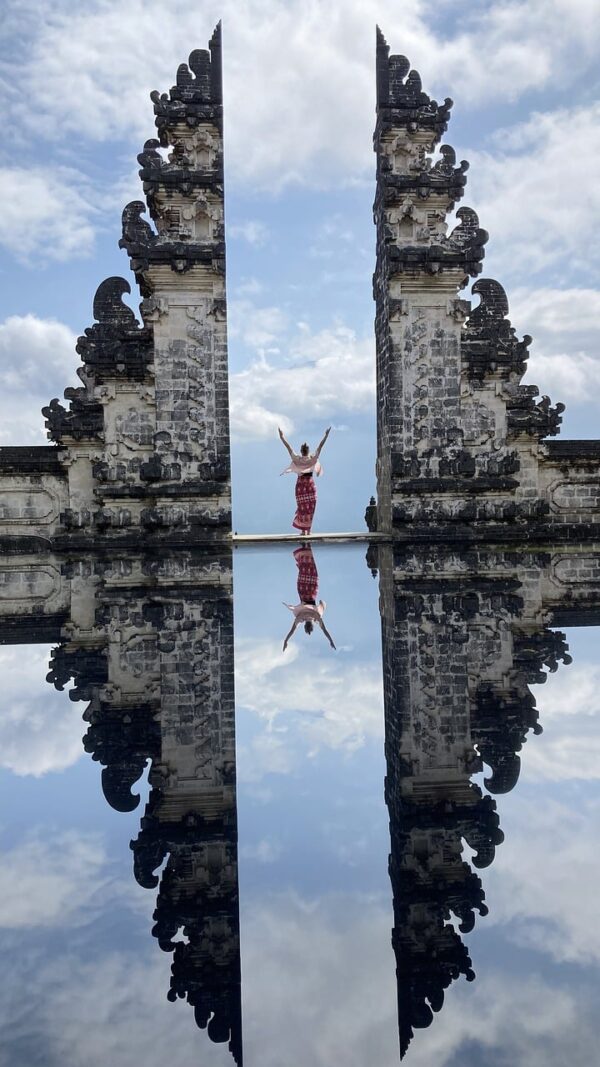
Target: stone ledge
[
  {"x": 28, "y": 630},
  {"x": 583, "y": 449},
  {"x": 32, "y": 459}
]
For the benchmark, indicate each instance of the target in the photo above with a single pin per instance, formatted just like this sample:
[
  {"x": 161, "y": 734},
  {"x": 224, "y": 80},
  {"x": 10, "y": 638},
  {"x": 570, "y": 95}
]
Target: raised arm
[
  {"x": 288, "y": 635},
  {"x": 322, "y": 442},
  {"x": 286, "y": 443},
  {"x": 327, "y": 634}
]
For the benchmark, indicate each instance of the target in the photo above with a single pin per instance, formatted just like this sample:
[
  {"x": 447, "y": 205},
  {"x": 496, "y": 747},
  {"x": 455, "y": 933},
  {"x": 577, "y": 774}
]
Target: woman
[
  {"x": 305, "y": 465},
  {"x": 307, "y": 611}
]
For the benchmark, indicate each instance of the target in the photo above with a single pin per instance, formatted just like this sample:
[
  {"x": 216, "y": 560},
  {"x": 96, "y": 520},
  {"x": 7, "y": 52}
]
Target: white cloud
[
  {"x": 543, "y": 885},
  {"x": 54, "y": 879},
  {"x": 264, "y": 851},
  {"x": 40, "y": 728},
  {"x": 536, "y": 192},
  {"x": 565, "y": 354},
  {"x": 328, "y": 373},
  {"x": 37, "y": 361},
  {"x": 569, "y": 706},
  {"x": 252, "y": 231},
  {"x": 255, "y": 326},
  {"x": 338, "y": 703},
  {"x": 47, "y": 214},
  {"x": 298, "y": 111}
]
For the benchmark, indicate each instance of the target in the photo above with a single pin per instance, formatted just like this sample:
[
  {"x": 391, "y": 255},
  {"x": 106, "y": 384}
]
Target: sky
[
  {"x": 299, "y": 115},
  {"x": 299, "y": 168}
]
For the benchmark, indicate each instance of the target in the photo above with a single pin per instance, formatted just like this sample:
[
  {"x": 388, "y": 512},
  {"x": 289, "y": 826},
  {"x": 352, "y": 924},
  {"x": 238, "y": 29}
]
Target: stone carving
[
  {"x": 157, "y": 671},
  {"x": 82, "y": 420},
  {"x": 458, "y": 434},
  {"x": 153, "y": 406},
  {"x": 465, "y": 633},
  {"x": 399, "y": 88},
  {"x": 115, "y": 346}
]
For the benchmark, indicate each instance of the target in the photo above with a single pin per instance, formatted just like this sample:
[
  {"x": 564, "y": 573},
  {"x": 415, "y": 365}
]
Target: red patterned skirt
[
  {"x": 308, "y": 576},
  {"x": 306, "y": 502}
]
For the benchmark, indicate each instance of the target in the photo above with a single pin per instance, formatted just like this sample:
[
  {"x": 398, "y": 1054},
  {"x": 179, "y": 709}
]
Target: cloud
[
  {"x": 337, "y": 704},
  {"x": 543, "y": 885},
  {"x": 54, "y": 879},
  {"x": 252, "y": 231},
  {"x": 569, "y": 705},
  {"x": 298, "y": 112},
  {"x": 264, "y": 851},
  {"x": 40, "y": 728},
  {"x": 37, "y": 361},
  {"x": 326, "y": 374},
  {"x": 565, "y": 355},
  {"x": 520, "y": 190},
  {"x": 255, "y": 326},
  {"x": 48, "y": 213}
]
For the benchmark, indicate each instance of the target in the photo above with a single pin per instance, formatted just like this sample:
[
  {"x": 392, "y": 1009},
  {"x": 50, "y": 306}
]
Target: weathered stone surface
[
  {"x": 465, "y": 633},
  {"x": 147, "y": 640},
  {"x": 153, "y": 409},
  {"x": 462, "y": 451}
]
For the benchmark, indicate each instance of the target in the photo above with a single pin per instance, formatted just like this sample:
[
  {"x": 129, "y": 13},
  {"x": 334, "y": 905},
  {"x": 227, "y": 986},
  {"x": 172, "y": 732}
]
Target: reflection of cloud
[
  {"x": 508, "y": 1019},
  {"x": 324, "y": 969},
  {"x": 40, "y": 728},
  {"x": 53, "y": 879},
  {"x": 569, "y": 705},
  {"x": 90, "y": 1005},
  {"x": 545, "y": 878},
  {"x": 336, "y": 703},
  {"x": 319, "y": 988}
]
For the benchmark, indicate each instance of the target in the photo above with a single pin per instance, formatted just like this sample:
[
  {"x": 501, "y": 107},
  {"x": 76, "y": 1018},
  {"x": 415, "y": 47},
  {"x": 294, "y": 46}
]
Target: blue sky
[{"x": 299, "y": 114}]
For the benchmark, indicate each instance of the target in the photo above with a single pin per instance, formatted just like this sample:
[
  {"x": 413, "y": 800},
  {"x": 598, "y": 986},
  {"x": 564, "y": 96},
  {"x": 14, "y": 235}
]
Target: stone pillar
[
  {"x": 181, "y": 273},
  {"x": 461, "y": 441},
  {"x": 418, "y": 275},
  {"x": 143, "y": 443}
]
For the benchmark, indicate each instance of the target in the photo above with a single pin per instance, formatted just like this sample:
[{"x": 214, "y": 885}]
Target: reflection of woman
[
  {"x": 307, "y": 611},
  {"x": 305, "y": 465}
]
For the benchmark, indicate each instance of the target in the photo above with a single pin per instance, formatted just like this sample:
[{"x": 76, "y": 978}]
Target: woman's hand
[{"x": 280, "y": 431}]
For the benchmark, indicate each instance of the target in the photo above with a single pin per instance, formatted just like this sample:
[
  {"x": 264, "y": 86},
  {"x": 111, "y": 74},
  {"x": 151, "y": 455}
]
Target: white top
[
  {"x": 307, "y": 612},
  {"x": 304, "y": 465}
]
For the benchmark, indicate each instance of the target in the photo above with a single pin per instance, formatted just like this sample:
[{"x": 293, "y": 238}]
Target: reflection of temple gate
[
  {"x": 148, "y": 641},
  {"x": 490, "y": 537},
  {"x": 465, "y": 633}
]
